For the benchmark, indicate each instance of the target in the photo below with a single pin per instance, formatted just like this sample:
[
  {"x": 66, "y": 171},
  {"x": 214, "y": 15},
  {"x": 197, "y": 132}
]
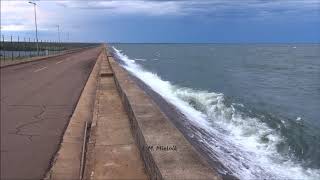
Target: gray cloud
[{"x": 230, "y": 8}]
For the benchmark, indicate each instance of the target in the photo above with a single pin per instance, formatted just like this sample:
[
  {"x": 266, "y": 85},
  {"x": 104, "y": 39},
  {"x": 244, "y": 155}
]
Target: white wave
[
  {"x": 246, "y": 146},
  {"x": 139, "y": 59}
]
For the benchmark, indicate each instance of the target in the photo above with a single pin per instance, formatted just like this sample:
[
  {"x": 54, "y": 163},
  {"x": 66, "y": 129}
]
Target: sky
[{"x": 165, "y": 21}]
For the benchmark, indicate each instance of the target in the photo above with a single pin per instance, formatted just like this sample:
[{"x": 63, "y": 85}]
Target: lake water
[{"x": 260, "y": 103}]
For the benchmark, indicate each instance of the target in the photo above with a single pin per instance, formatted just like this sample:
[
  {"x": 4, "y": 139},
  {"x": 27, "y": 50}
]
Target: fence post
[
  {"x": 40, "y": 46},
  {"x": 4, "y": 53},
  {"x": 29, "y": 45},
  {"x": 24, "y": 47},
  {"x": 19, "y": 46},
  {"x": 1, "y": 49},
  {"x": 11, "y": 48},
  {"x": 34, "y": 43},
  {"x": 48, "y": 46},
  {"x": 51, "y": 47}
]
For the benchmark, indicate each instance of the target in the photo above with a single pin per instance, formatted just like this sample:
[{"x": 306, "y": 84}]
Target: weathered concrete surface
[
  {"x": 112, "y": 152},
  {"x": 67, "y": 162},
  {"x": 165, "y": 151},
  {"x": 37, "y": 100}
]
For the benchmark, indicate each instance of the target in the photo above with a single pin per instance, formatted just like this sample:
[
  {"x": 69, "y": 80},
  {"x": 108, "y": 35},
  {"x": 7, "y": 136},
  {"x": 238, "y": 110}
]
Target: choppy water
[{"x": 259, "y": 103}]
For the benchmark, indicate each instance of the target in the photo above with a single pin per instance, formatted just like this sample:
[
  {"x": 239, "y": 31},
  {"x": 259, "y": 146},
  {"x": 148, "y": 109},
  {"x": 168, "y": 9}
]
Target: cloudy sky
[{"x": 221, "y": 21}]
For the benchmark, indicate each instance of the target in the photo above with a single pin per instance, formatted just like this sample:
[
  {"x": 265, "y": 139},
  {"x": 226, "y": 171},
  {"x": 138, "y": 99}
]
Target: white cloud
[
  {"x": 12, "y": 17},
  {"x": 19, "y": 16},
  {"x": 15, "y": 28}
]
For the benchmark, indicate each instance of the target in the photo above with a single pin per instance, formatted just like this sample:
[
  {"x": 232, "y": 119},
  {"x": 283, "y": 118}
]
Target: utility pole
[
  {"x": 59, "y": 43},
  {"x": 58, "y": 32},
  {"x": 35, "y": 20}
]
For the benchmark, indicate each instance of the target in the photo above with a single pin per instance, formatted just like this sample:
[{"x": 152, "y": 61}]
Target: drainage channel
[{"x": 86, "y": 136}]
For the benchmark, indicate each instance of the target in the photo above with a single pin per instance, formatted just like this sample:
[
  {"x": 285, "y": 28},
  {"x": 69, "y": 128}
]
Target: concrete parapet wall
[
  {"x": 67, "y": 161},
  {"x": 165, "y": 151}
]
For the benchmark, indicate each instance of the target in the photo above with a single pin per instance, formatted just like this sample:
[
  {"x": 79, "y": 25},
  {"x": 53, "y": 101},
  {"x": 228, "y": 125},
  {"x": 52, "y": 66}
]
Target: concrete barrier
[
  {"x": 165, "y": 151},
  {"x": 68, "y": 161},
  {"x": 112, "y": 152}
]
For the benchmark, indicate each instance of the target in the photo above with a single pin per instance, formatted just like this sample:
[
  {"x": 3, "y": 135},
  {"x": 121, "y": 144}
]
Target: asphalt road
[{"x": 37, "y": 101}]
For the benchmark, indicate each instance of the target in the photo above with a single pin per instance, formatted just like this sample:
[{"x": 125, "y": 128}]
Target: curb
[
  {"x": 92, "y": 138},
  {"x": 67, "y": 163}
]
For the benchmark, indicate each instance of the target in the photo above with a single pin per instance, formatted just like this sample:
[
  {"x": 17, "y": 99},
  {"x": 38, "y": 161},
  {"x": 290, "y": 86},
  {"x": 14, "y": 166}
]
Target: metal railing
[{"x": 16, "y": 48}]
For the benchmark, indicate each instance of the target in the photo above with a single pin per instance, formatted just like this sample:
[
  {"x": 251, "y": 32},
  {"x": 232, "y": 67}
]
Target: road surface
[{"x": 37, "y": 101}]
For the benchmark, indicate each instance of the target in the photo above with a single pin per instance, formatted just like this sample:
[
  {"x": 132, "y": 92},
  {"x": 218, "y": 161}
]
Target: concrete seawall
[
  {"x": 164, "y": 150},
  {"x": 117, "y": 131}
]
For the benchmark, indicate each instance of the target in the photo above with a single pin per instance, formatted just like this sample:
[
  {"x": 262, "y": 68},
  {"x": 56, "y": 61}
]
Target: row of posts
[{"x": 23, "y": 48}]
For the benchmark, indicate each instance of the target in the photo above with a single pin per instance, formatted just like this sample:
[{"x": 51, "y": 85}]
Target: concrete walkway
[{"x": 112, "y": 152}]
